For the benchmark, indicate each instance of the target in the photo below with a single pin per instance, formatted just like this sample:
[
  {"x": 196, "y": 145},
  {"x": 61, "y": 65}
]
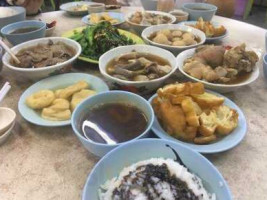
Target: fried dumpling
[
  {"x": 69, "y": 91},
  {"x": 80, "y": 96},
  {"x": 58, "y": 111}
]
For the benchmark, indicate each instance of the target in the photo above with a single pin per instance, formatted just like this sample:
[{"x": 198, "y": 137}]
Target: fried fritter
[
  {"x": 40, "y": 99},
  {"x": 172, "y": 118}
]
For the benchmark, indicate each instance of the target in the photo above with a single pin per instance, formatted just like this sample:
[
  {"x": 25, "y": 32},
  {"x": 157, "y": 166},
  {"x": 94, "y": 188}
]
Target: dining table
[{"x": 51, "y": 164}]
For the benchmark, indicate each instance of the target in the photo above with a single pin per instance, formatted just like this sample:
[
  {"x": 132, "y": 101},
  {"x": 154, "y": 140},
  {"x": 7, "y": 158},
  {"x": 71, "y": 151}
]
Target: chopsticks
[
  {"x": 4, "y": 90},
  {"x": 8, "y": 50}
]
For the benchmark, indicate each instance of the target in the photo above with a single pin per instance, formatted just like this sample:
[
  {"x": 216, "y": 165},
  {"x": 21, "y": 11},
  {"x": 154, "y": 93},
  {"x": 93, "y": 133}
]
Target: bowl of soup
[
  {"x": 23, "y": 31},
  {"x": 110, "y": 119},
  {"x": 197, "y": 10},
  {"x": 10, "y": 15},
  {"x": 43, "y": 57},
  {"x": 140, "y": 69}
]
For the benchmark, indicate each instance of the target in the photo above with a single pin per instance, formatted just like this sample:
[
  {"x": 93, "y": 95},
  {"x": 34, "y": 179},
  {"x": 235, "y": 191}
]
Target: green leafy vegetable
[{"x": 98, "y": 39}]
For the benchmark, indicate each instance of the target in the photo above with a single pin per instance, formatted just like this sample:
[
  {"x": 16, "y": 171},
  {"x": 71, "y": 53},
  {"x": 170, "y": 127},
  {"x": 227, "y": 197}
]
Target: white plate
[
  {"x": 53, "y": 83},
  {"x": 115, "y": 15},
  {"x": 218, "y": 87},
  {"x": 208, "y": 39},
  {"x": 67, "y": 7},
  {"x": 223, "y": 144}
]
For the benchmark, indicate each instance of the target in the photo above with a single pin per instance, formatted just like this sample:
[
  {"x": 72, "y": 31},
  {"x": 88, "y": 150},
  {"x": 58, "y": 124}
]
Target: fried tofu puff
[
  {"x": 80, "y": 96},
  {"x": 58, "y": 111},
  {"x": 40, "y": 99},
  {"x": 190, "y": 113},
  {"x": 174, "y": 121},
  {"x": 66, "y": 93}
]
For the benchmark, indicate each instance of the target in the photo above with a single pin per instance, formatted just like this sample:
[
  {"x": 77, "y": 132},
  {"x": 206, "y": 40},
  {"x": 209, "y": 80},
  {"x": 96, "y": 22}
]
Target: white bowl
[
  {"x": 67, "y": 7},
  {"x": 139, "y": 28},
  {"x": 7, "y": 133},
  {"x": 221, "y": 88},
  {"x": 7, "y": 117},
  {"x": 141, "y": 87},
  {"x": 39, "y": 73},
  {"x": 174, "y": 49},
  {"x": 49, "y": 31}
]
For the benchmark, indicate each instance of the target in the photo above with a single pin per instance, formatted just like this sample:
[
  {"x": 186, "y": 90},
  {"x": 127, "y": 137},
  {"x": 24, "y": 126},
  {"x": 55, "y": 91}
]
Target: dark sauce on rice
[{"x": 147, "y": 178}]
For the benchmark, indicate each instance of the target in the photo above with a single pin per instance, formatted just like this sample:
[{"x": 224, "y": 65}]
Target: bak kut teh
[{"x": 113, "y": 123}]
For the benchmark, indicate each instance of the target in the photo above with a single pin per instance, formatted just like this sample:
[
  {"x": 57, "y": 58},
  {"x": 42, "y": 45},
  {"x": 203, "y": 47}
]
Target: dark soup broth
[
  {"x": 199, "y": 8},
  {"x": 24, "y": 30},
  {"x": 240, "y": 78},
  {"x": 118, "y": 122}
]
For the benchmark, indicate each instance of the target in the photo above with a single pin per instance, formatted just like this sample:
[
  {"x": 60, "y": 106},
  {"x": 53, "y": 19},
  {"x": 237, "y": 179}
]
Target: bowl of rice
[{"x": 155, "y": 169}]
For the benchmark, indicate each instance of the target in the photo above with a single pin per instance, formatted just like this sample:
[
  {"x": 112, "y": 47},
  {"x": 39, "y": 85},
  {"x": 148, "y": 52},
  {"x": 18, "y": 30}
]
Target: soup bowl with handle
[
  {"x": 40, "y": 73},
  {"x": 140, "y": 87},
  {"x": 79, "y": 114},
  {"x": 17, "y": 38}
]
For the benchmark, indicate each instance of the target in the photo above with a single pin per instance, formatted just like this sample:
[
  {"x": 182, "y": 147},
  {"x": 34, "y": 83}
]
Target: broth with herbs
[
  {"x": 137, "y": 66},
  {"x": 113, "y": 122},
  {"x": 24, "y": 30}
]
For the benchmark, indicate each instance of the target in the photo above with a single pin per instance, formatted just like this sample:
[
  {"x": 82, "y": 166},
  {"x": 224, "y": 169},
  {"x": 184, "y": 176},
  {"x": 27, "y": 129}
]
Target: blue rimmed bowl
[
  {"x": 197, "y": 10},
  {"x": 112, "y": 164},
  {"x": 100, "y": 149},
  {"x": 18, "y": 38}
]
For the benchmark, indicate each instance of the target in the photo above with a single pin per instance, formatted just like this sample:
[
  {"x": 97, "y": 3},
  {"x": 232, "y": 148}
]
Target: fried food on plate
[
  {"x": 80, "y": 96},
  {"x": 96, "y": 18},
  {"x": 57, "y": 106},
  {"x": 227, "y": 120},
  {"x": 205, "y": 139},
  {"x": 69, "y": 91},
  {"x": 209, "y": 29},
  {"x": 40, "y": 99},
  {"x": 58, "y": 111},
  {"x": 208, "y": 100},
  {"x": 208, "y": 123},
  {"x": 189, "y": 113}
]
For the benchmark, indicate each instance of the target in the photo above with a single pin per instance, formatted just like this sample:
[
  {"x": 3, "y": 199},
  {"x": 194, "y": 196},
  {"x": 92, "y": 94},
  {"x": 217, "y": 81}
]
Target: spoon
[
  {"x": 7, "y": 117},
  {"x": 8, "y": 50},
  {"x": 4, "y": 90},
  {"x": 98, "y": 130}
]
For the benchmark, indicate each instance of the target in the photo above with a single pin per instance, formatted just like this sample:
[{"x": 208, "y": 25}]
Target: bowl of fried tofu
[{"x": 200, "y": 119}]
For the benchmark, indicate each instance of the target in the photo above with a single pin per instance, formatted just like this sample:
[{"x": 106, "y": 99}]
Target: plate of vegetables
[{"x": 98, "y": 39}]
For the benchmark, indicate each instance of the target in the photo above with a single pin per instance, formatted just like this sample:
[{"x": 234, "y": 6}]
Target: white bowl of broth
[
  {"x": 111, "y": 119},
  {"x": 140, "y": 80},
  {"x": 150, "y": 33},
  {"x": 243, "y": 80},
  {"x": 40, "y": 65}
]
